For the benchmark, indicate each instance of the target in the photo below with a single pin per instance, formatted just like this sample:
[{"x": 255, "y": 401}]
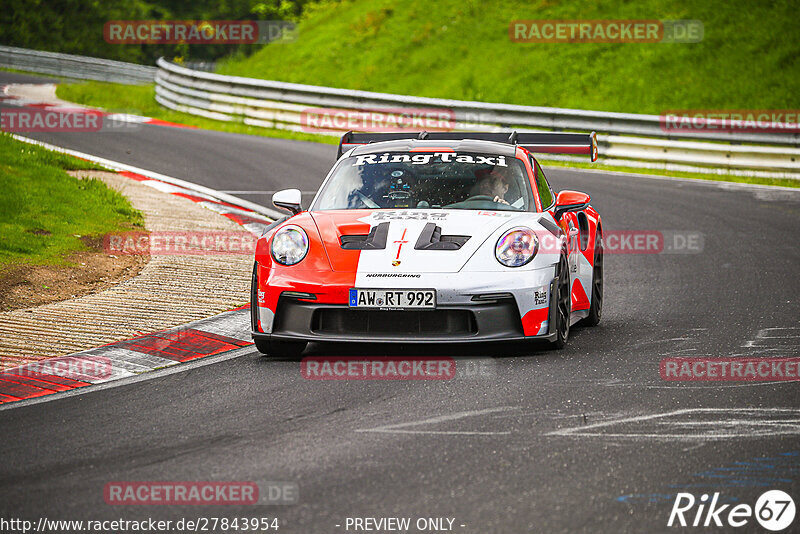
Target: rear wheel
[
  {"x": 280, "y": 349},
  {"x": 596, "y": 308},
  {"x": 563, "y": 304}
]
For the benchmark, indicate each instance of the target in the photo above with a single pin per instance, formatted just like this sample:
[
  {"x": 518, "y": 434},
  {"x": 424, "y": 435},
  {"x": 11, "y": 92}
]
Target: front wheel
[
  {"x": 280, "y": 349},
  {"x": 563, "y": 304}
]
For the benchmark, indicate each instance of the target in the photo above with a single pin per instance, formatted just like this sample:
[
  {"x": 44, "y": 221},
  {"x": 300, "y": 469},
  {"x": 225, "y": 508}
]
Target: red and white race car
[{"x": 431, "y": 237}]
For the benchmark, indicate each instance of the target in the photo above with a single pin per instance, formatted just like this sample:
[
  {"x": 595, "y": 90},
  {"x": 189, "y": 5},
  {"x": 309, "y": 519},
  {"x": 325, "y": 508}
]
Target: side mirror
[
  {"x": 288, "y": 199},
  {"x": 570, "y": 201}
]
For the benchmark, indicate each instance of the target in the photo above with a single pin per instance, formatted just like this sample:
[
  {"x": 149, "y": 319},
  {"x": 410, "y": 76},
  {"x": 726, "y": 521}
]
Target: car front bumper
[{"x": 486, "y": 312}]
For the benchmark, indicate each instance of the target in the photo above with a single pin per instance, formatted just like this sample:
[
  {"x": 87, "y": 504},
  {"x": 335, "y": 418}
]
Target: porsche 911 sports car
[{"x": 431, "y": 237}]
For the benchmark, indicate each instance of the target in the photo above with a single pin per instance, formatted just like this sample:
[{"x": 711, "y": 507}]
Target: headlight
[
  {"x": 289, "y": 245},
  {"x": 516, "y": 247}
]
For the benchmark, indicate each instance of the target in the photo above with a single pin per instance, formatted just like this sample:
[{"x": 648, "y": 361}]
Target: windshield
[{"x": 431, "y": 180}]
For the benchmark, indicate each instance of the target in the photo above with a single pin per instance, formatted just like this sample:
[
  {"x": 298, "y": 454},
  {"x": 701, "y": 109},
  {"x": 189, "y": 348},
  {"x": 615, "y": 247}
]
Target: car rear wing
[{"x": 546, "y": 142}]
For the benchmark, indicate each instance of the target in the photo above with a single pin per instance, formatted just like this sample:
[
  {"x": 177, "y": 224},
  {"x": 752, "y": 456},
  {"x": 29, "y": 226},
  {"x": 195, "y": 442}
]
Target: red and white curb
[
  {"x": 200, "y": 339},
  {"x": 208, "y": 337},
  {"x": 253, "y": 222}
]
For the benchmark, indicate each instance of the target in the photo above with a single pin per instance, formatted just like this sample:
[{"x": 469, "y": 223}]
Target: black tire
[
  {"x": 280, "y": 349},
  {"x": 596, "y": 308},
  {"x": 563, "y": 304},
  {"x": 262, "y": 345}
]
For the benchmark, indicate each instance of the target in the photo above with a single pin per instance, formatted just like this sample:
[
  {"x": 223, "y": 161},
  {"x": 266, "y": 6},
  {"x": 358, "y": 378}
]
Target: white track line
[
  {"x": 400, "y": 427},
  {"x": 591, "y": 429},
  {"x": 158, "y": 373},
  {"x": 117, "y": 166}
]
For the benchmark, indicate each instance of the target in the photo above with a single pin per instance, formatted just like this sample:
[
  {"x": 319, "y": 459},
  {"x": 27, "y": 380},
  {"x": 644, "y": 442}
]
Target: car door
[{"x": 569, "y": 222}]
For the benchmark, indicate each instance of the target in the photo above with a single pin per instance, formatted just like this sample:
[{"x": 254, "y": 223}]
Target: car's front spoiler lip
[{"x": 400, "y": 340}]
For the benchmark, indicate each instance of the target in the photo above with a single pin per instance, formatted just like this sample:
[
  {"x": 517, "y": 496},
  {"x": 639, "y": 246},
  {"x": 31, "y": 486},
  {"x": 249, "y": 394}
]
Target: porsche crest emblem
[{"x": 395, "y": 263}]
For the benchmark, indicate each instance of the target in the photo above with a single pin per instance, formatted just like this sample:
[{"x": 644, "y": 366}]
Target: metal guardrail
[
  {"x": 71, "y": 66},
  {"x": 625, "y": 138}
]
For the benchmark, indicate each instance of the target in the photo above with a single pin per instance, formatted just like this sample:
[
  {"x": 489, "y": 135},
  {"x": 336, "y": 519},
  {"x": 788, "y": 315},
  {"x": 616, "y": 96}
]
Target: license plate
[{"x": 393, "y": 299}]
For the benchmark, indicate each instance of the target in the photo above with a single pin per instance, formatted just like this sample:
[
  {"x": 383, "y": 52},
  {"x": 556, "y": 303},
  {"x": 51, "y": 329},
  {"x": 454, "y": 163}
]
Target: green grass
[
  {"x": 140, "y": 100},
  {"x": 749, "y": 57},
  {"x": 43, "y": 209}
]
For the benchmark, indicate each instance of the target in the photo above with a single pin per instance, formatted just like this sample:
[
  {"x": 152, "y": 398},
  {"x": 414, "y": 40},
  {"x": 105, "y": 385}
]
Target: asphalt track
[{"x": 521, "y": 447}]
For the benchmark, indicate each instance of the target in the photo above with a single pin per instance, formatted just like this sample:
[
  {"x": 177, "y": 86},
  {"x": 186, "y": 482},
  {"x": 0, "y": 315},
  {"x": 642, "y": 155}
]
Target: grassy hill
[{"x": 749, "y": 57}]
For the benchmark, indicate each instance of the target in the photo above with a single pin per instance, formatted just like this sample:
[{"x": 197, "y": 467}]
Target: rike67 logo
[{"x": 774, "y": 510}]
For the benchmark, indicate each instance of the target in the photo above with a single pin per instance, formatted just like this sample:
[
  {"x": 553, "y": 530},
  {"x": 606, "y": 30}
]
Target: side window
[{"x": 545, "y": 193}]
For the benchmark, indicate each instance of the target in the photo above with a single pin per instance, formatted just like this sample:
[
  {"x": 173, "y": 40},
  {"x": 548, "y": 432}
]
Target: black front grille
[{"x": 341, "y": 321}]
